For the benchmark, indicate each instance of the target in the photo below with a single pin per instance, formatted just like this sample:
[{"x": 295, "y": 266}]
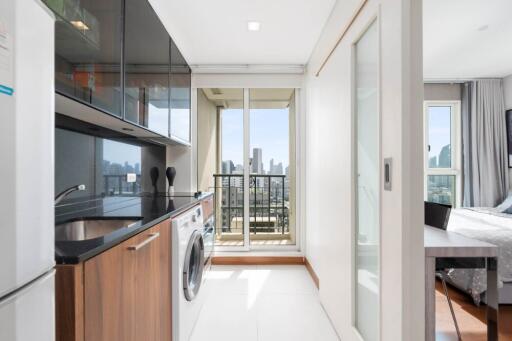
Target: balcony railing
[
  {"x": 117, "y": 184},
  {"x": 268, "y": 203}
]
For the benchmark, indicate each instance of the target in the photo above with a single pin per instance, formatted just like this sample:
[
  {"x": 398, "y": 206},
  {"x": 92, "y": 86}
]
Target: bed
[{"x": 491, "y": 225}]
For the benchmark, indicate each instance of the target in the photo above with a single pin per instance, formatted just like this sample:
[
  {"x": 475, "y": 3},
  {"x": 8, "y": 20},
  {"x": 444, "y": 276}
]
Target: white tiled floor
[{"x": 261, "y": 303}]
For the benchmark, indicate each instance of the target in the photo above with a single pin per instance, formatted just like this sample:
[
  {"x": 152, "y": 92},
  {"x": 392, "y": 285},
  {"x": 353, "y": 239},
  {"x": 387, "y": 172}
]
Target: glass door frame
[
  {"x": 373, "y": 20},
  {"x": 299, "y": 150}
]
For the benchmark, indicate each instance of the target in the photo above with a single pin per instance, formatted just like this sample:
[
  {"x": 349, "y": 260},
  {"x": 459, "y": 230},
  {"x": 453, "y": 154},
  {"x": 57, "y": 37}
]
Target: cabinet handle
[{"x": 152, "y": 236}]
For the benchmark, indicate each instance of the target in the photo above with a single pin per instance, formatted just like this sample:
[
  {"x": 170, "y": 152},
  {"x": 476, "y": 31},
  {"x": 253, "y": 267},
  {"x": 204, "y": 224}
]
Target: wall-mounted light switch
[
  {"x": 388, "y": 168},
  {"x": 131, "y": 177}
]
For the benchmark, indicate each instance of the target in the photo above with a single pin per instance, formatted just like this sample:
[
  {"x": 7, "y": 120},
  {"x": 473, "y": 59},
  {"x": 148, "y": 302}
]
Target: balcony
[
  {"x": 118, "y": 185},
  {"x": 269, "y": 221}
]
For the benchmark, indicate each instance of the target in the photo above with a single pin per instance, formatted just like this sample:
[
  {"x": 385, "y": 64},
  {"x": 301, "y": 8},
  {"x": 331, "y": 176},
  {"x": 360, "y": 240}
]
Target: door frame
[
  {"x": 374, "y": 19},
  {"x": 246, "y": 86}
]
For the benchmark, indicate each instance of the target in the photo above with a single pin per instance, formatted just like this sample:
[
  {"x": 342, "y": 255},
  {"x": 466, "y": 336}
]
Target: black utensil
[
  {"x": 170, "y": 172},
  {"x": 153, "y": 172}
]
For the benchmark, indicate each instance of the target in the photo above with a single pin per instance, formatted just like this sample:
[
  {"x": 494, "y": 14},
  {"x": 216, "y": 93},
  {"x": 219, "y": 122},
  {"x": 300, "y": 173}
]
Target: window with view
[
  {"x": 442, "y": 152},
  {"x": 249, "y": 138}
]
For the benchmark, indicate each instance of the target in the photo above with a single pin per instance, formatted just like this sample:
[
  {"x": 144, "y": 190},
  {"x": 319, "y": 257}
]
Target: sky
[
  {"x": 117, "y": 152},
  {"x": 269, "y": 131}
]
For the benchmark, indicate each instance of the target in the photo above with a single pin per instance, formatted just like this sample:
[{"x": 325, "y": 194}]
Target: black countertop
[{"x": 149, "y": 208}]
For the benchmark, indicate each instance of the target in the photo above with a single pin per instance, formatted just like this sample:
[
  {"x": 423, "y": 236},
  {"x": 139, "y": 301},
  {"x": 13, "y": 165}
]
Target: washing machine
[{"x": 187, "y": 271}]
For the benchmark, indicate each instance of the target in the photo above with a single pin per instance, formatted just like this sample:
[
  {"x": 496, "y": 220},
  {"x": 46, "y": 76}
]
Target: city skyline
[
  {"x": 269, "y": 131},
  {"x": 439, "y": 133},
  {"x": 114, "y": 168},
  {"x": 229, "y": 167}
]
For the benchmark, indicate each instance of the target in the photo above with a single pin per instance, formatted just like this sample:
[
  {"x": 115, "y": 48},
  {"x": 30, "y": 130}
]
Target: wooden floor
[{"x": 471, "y": 319}]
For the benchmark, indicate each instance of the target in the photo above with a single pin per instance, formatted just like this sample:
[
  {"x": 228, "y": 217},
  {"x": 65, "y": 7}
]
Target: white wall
[
  {"x": 181, "y": 158},
  {"x": 329, "y": 177},
  {"x": 507, "y": 84},
  {"x": 442, "y": 92},
  {"x": 206, "y": 142}
]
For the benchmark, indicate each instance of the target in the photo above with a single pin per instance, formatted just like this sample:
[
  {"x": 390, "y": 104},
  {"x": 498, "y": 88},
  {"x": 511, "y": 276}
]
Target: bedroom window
[{"x": 442, "y": 152}]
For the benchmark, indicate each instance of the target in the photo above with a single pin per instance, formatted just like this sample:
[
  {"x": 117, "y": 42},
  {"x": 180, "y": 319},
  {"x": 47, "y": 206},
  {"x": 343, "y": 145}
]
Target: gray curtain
[{"x": 484, "y": 143}]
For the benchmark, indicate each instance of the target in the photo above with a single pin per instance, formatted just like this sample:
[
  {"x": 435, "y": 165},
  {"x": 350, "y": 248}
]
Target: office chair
[{"x": 437, "y": 215}]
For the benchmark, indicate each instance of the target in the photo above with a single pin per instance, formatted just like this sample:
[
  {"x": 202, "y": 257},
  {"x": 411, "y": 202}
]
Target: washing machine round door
[{"x": 194, "y": 266}]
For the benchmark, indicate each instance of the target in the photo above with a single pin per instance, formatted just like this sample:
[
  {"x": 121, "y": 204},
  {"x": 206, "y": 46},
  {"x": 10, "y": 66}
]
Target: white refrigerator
[{"x": 27, "y": 293}]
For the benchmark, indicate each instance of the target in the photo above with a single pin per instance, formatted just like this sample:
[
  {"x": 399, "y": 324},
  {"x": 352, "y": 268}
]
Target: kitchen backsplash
[{"x": 104, "y": 165}]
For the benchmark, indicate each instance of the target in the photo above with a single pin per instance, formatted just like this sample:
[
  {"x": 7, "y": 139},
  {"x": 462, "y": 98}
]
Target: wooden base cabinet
[{"x": 125, "y": 292}]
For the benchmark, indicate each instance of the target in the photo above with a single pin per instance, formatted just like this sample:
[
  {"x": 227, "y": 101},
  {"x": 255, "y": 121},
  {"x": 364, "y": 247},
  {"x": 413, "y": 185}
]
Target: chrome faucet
[{"x": 66, "y": 192}]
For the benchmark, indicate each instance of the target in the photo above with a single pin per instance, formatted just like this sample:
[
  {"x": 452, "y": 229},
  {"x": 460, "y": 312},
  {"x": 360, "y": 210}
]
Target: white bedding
[{"x": 488, "y": 225}]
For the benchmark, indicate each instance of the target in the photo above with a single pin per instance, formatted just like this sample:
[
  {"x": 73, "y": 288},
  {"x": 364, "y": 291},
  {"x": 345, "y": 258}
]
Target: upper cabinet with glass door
[
  {"x": 147, "y": 67},
  {"x": 180, "y": 96},
  {"x": 88, "y": 51},
  {"x": 96, "y": 41}
]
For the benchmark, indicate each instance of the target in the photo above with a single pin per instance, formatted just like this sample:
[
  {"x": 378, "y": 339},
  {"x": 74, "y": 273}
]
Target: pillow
[{"x": 506, "y": 205}]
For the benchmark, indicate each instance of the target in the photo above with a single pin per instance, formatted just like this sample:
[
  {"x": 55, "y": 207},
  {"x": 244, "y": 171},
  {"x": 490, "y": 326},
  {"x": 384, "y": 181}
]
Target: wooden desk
[{"x": 452, "y": 250}]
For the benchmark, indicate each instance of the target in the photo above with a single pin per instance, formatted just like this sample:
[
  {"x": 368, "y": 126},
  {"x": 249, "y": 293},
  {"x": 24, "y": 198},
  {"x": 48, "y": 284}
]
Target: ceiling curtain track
[{"x": 343, "y": 33}]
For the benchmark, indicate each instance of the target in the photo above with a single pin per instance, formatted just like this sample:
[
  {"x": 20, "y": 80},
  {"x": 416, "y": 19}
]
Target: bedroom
[{"x": 468, "y": 149}]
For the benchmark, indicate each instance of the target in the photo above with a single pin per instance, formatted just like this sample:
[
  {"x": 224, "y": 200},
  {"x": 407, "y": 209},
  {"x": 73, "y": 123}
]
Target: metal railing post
[
  {"x": 255, "y": 205},
  {"x": 229, "y": 202},
  {"x": 275, "y": 209},
  {"x": 282, "y": 204},
  {"x": 269, "y": 199}
]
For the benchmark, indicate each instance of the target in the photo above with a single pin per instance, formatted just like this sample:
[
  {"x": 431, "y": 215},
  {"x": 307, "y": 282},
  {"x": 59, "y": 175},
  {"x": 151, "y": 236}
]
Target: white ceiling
[
  {"x": 215, "y": 31},
  {"x": 456, "y": 46}
]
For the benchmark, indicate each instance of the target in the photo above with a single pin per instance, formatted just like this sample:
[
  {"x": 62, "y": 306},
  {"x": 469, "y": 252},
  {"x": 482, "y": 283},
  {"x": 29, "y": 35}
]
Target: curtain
[{"x": 484, "y": 143}]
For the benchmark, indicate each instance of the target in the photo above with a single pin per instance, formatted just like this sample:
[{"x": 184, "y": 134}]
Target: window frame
[{"x": 456, "y": 147}]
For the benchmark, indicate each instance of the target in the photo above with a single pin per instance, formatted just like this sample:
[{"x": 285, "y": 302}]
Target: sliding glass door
[
  {"x": 367, "y": 150},
  {"x": 271, "y": 198},
  {"x": 230, "y": 177},
  {"x": 255, "y": 172}
]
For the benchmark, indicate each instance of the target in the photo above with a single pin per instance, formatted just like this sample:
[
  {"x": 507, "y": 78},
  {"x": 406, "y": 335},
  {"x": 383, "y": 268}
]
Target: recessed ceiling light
[
  {"x": 253, "y": 25},
  {"x": 80, "y": 25}
]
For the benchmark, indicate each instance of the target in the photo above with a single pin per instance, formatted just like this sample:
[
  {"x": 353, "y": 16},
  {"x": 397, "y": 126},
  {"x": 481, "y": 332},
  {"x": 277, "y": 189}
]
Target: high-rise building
[
  {"x": 275, "y": 169},
  {"x": 239, "y": 169},
  {"x": 257, "y": 161},
  {"x": 445, "y": 157},
  {"x": 278, "y": 169},
  {"x": 227, "y": 167}
]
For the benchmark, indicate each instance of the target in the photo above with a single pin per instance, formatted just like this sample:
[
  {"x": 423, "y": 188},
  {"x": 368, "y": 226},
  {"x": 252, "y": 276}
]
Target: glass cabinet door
[
  {"x": 88, "y": 51},
  {"x": 147, "y": 67},
  {"x": 180, "y": 96}
]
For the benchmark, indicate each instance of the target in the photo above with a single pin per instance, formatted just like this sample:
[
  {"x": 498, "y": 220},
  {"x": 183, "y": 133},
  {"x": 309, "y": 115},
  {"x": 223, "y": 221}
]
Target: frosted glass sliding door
[{"x": 366, "y": 64}]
